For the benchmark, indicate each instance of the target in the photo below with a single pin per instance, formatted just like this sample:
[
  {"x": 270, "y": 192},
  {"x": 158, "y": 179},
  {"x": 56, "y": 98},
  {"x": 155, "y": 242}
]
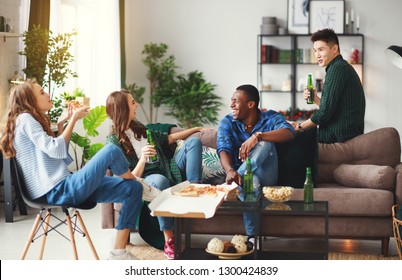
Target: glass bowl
[{"x": 278, "y": 194}]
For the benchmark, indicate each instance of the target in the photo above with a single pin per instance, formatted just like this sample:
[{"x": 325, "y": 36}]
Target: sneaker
[
  {"x": 149, "y": 192},
  {"x": 124, "y": 256},
  {"x": 168, "y": 250}
]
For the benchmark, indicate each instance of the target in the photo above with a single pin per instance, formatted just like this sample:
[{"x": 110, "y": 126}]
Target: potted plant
[
  {"x": 48, "y": 57},
  {"x": 161, "y": 75},
  {"x": 91, "y": 122},
  {"x": 56, "y": 111},
  {"x": 192, "y": 101},
  {"x": 79, "y": 96},
  {"x": 190, "y": 97}
]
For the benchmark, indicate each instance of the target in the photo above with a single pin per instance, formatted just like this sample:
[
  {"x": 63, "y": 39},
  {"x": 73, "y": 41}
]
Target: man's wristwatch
[{"x": 301, "y": 130}]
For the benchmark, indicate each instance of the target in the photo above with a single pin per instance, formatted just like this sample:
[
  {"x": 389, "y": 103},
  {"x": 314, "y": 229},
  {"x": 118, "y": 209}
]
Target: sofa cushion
[
  {"x": 294, "y": 156},
  {"x": 212, "y": 170},
  {"x": 365, "y": 176},
  {"x": 352, "y": 202},
  {"x": 378, "y": 147},
  {"x": 207, "y": 137}
]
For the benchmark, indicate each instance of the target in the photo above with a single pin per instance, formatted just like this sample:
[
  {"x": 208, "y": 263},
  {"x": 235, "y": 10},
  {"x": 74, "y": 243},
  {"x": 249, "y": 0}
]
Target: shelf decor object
[
  {"x": 298, "y": 16},
  {"x": 394, "y": 54},
  {"x": 327, "y": 14}
]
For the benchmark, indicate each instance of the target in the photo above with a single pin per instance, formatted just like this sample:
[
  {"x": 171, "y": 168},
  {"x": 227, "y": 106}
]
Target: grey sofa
[{"x": 361, "y": 179}]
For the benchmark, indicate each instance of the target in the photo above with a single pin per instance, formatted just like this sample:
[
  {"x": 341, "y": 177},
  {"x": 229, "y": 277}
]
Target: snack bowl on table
[
  {"x": 278, "y": 194},
  {"x": 230, "y": 250},
  {"x": 230, "y": 256}
]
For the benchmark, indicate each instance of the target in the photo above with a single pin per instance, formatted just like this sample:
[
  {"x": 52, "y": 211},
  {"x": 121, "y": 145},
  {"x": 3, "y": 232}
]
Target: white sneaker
[
  {"x": 124, "y": 256},
  {"x": 149, "y": 192}
]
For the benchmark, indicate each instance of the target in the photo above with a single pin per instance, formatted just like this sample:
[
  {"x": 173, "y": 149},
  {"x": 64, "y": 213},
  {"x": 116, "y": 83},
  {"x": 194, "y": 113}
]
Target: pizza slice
[
  {"x": 189, "y": 191},
  {"x": 76, "y": 104}
]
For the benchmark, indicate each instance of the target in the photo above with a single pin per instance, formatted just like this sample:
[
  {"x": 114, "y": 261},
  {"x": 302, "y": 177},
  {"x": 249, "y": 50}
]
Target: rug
[{"x": 145, "y": 252}]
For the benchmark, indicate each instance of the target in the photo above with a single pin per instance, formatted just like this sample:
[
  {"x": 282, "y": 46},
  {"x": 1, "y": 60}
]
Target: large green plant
[
  {"x": 192, "y": 102},
  {"x": 48, "y": 57},
  {"x": 92, "y": 121},
  {"x": 190, "y": 98},
  {"x": 161, "y": 75}
]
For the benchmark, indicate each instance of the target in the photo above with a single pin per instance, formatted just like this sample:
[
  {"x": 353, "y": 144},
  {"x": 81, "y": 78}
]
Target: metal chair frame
[{"x": 42, "y": 226}]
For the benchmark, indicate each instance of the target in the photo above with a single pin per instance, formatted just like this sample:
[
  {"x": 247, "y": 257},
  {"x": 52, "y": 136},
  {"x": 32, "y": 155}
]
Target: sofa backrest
[{"x": 378, "y": 147}]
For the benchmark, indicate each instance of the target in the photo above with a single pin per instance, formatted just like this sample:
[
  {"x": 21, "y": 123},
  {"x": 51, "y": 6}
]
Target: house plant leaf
[
  {"x": 79, "y": 140},
  {"x": 94, "y": 119},
  {"x": 92, "y": 150}
]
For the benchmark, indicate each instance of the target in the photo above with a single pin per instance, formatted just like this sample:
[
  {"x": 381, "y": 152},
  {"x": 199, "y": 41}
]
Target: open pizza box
[{"x": 169, "y": 204}]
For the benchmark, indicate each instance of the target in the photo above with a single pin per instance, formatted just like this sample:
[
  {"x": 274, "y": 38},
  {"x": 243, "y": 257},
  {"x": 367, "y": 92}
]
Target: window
[{"x": 96, "y": 48}]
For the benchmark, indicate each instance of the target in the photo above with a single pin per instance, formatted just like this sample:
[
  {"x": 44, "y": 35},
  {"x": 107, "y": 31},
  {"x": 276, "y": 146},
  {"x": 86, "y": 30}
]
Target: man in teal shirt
[{"x": 342, "y": 104}]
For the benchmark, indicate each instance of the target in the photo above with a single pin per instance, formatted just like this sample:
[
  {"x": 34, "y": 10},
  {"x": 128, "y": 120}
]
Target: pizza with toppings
[{"x": 193, "y": 191}]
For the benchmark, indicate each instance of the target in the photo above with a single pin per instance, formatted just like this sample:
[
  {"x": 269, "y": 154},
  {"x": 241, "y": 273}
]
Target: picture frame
[
  {"x": 298, "y": 16},
  {"x": 327, "y": 14}
]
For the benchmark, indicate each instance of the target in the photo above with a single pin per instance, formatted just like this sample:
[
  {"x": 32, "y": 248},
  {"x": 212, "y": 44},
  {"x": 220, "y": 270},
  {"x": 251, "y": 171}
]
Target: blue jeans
[
  {"x": 189, "y": 162},
  {"x": 160, "y": 182},
  {"x": 264, "y": 163},
  {"x": 91, "y": 183}
]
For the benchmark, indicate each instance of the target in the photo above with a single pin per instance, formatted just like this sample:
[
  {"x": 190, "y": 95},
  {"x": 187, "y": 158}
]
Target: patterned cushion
[{"x": 212, "y": 170}]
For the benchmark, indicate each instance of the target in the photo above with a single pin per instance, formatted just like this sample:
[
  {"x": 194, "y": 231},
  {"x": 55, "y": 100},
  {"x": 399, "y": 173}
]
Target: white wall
[
  {"x": 219, "y": 38},
  {"x": 10, "y": 61}
]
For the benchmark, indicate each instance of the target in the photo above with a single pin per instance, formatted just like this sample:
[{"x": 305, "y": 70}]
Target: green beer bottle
[
  {"x": 151, "y": 142},
  {"x": 248, "y": 178},
  {"x": 308, "y": 187},
  {"x": 310, "y": 87}
]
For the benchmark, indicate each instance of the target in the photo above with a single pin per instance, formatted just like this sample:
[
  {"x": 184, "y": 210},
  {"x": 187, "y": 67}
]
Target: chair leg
[
  {"x": 31, "y": 236},
  {"x": 72, "y": 239},
  {"x": 45, "y": 230},
  {"x": 84, "y": 229}
]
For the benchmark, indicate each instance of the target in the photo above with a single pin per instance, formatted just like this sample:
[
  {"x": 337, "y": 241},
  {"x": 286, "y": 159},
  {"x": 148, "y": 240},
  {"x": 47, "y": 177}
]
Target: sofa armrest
[
  {"x": 398, "y": 184},
  {"x": 107, "y": 215}
]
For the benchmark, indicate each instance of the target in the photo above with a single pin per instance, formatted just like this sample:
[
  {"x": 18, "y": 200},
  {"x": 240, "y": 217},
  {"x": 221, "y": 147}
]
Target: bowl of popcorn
[{"x": 278, "y": 194}]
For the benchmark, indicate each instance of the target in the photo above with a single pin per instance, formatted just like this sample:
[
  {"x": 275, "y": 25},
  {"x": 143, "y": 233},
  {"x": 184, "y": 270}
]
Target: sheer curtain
[{"x": 96, "y": 48}]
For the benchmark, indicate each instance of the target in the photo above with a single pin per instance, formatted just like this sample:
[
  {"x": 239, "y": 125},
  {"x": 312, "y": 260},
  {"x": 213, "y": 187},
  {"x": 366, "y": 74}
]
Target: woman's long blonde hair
[{"x": 21, "y": 100}]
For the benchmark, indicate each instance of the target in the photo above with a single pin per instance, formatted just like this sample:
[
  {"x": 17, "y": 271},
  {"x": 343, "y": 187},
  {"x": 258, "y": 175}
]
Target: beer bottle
[
  {"x": 151, "y": 142},
  {"x": 248, "y": 178},
  {"x": 308, "y": 187},
  {"x": 310, "y": 87}
]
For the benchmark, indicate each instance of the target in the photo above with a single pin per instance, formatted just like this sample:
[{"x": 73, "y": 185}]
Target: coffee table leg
[{"x": 177, "y": 238}]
